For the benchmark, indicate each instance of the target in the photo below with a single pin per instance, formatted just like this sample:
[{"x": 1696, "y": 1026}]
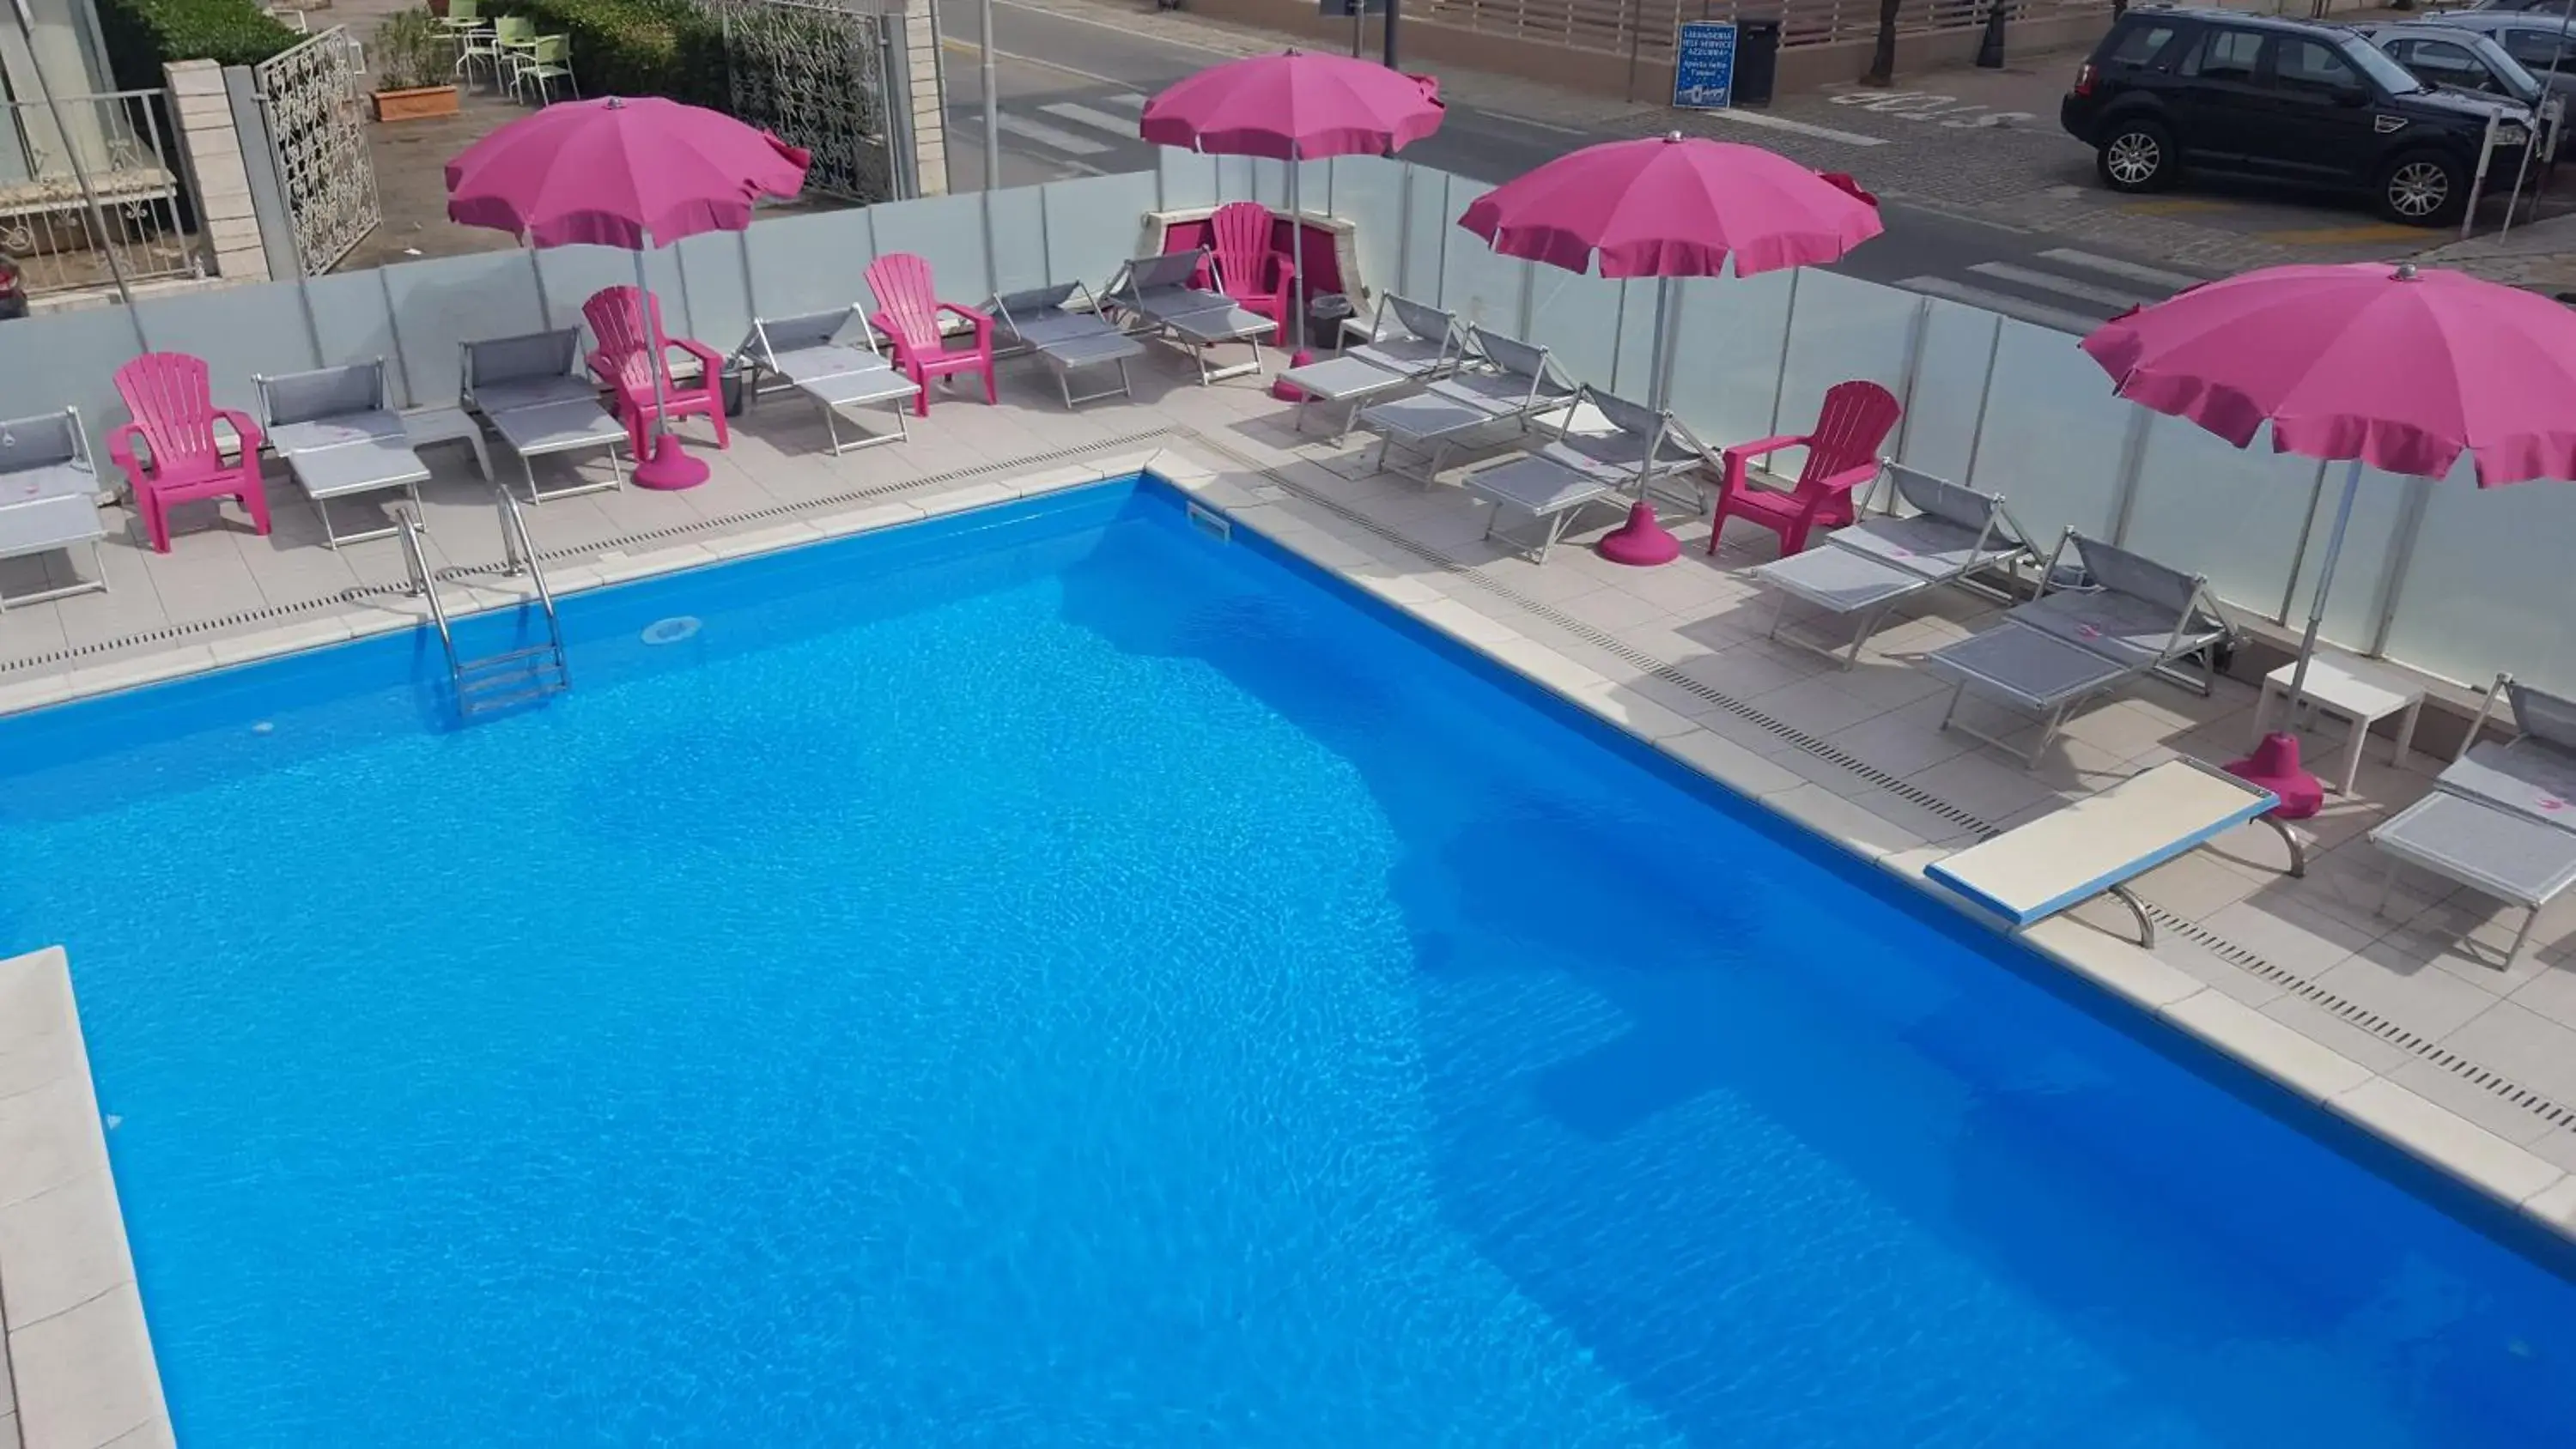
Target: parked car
[
  {"x": 2464, "y": 60},
  {"x": 13, "y": 289},
  {"x": 2549, "y": 5},
  {"x": 2545, "y": 44},
  {"x": 2169, "y": 92}
]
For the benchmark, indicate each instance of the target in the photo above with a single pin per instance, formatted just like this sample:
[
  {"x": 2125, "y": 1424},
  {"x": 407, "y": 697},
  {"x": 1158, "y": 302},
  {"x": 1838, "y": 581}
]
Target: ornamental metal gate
[
  {"x": 313, "y": 98},
  {"x": 821, "y": 77}
]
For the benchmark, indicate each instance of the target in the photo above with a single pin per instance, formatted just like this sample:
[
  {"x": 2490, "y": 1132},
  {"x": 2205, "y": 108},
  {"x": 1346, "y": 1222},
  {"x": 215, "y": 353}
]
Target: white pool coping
[{"x": 78, "y": 1350}]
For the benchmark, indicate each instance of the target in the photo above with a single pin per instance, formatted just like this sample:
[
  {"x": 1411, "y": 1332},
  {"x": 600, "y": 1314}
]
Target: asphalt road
[{"x": 1070, "y": 89}]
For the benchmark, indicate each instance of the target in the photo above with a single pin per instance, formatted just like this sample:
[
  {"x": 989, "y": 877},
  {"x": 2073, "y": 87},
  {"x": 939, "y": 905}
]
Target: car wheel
[
  {"x": 2138, "y": 156},
  {"x": 2424, "y": 188}
]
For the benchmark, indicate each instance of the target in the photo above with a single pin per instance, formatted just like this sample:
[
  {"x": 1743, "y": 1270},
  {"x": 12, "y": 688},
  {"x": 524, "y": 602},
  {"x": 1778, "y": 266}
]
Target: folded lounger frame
[
  {"x": 1155, "y": 293},
  {"x": 1500, "y": 380},
  {"x": 806, "y": 353},
  {"x": 1860, "y": 573},
  {"x": 2501, "y": 819},
  {"x": 1409, "y": 343},
  {"x": 1066, "y": 338},
  {"x": 1571, "y": 470},
  {"x": 2098, "y": 844},
  {"x": 49, "y": 499},
  {"x": 526, "y": 388},
  {"x": 340, "y": 439},
  {"x": 2068, "y": 644}
]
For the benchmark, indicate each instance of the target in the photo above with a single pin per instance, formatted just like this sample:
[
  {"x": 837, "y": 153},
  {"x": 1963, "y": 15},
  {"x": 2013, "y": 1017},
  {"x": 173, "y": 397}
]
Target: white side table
[{"x": 2359, "y": 691}]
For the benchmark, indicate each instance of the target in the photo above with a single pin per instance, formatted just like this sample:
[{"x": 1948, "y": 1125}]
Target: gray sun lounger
[
  {"x": 2502, "y": 817},
  {"x": 340, "y": 440},
  {"x": 1066, "y": 337},
  {"x": 1635, "y": 450},
  {"x": 1156, "y": 295},
  {"x": 832, "y": 358},
  {"x": 49, "y": 498},
  {"x": 1410, "y": 343},
  {"x": 527, "y": 390},
  {"x": 2138, "y": 617},
  {"x": 1860, "y": 573},
  {"x": 1503, "y": 383}
]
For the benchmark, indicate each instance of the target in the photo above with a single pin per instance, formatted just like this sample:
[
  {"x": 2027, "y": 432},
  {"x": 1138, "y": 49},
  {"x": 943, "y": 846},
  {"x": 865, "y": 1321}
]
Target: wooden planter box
[{"x": 415, "y": 105}]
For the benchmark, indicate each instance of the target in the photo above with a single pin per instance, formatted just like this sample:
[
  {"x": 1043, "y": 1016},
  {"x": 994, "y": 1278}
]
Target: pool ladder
[{"x": 513, "y": 677}]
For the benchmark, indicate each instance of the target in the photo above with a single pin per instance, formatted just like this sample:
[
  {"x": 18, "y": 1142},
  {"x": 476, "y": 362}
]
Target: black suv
[{"x": 2287, "y": 100}]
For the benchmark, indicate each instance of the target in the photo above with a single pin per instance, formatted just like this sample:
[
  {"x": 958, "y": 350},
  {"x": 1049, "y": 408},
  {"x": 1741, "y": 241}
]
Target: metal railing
[
  {"x": 1645, "y": 28},
  {"x": 416, "y": 562},
  {"x": 125, "y": 142},
  {"x": 520, "y": 553}
]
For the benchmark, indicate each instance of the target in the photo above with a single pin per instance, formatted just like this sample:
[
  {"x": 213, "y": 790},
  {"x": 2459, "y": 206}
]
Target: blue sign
[{"x": 1704, "y": 65}]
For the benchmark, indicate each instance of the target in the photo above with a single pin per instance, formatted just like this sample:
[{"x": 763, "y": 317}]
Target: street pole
[
  {"x": 992, "y": 94},
  {"x": 80, "y": 169},
  {"x": 1390, "y": 34}
]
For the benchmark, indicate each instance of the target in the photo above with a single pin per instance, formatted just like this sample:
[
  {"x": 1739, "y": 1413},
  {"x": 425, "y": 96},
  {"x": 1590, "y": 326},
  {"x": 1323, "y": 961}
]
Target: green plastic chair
[
  {"x": 462, "y": 15},
  {"x": 550, "y": 60},
  {"x": 514, "y": 36}
]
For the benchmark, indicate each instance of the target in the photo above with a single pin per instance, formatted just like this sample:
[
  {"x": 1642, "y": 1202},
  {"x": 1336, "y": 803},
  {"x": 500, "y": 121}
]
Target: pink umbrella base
[
  {"x": 1641, "y": 542},
  {"x": 2274, "y": 765},
  {"x": 1282, "y": 388},
  {"x": 670, "y": 469}
]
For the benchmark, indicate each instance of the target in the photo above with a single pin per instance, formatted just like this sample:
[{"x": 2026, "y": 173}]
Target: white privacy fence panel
[{"x": 2445, "y": 577}]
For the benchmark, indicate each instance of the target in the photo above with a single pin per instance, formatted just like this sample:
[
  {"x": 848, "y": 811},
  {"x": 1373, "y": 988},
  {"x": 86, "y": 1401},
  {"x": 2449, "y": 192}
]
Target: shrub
[
  {"x": 412, "y": 51},
  {"x": 144, "y": 35},
  {"x": 639, "y": 47}
]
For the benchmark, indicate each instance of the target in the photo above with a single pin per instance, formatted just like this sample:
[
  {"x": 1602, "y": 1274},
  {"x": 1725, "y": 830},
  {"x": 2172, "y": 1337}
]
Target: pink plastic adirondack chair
[
  {"x": 620, "y": 365},
  {"x": 172, "y": 397},
  {"x": 908, "y": 309},
  {"x": 1842, "y": 454},
  {"x": 1253, "y": 271}
]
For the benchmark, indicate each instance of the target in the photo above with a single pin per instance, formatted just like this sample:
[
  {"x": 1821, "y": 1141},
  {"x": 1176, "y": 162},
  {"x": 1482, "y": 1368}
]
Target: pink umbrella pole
[
  {"x": 2275, "y": 765},
  {"x": 1643, "y": 541},
  {"x": 667, "y": 466}
]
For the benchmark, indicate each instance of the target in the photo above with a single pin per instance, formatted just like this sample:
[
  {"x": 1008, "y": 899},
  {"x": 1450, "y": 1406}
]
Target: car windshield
[
  {"x": 2516, "y": 76},
  {"x": 2373, "y": 62}
]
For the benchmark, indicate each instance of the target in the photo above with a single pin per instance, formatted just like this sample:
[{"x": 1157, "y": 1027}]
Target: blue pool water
[{"x": 1060, "y": 979}]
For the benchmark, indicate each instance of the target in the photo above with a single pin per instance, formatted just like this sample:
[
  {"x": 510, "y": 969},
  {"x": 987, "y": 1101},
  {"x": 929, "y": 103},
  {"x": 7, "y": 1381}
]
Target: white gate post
[
  {"x": 218, "y": 179},
  {"x": 922, "y": 83}
]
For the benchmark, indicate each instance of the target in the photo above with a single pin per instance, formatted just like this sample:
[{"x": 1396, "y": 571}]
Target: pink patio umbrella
[
  {"x": 637, "y": 174},
  {"x": 1668, "y": 208},
  {"x": 2399, "y": 368},
  {"x": 1295, "y": 107}
]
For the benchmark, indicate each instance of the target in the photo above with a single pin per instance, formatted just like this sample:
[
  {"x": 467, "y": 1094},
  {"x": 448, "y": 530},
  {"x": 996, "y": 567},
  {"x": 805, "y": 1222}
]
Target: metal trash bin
[
  {"x": 1757, "y": 61},
  {"x": 729, "y": 389}
]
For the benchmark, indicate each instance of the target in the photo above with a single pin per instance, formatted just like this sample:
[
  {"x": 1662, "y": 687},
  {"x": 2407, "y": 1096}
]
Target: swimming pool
[{"x": 1054, "y": 977}]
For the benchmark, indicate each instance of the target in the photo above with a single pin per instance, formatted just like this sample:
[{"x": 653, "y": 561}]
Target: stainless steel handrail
[
  {"x": 418, "y": 563},
  {"x": 520, "y": 551}
]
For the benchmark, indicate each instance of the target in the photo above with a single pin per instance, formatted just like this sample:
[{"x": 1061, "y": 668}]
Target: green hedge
[
  {"x": 638, "y": 47},
  {"x": 144, "y": 35}
]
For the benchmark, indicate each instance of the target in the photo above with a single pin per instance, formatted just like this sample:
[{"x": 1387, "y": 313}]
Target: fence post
[
  {"x": 271, "y": 223},
  {"x": 2133, "y": 465},
  {"x": 218, "y": 176},
  {"x": 922, "y": 83},
  {"x": 2400, "y": 561}
]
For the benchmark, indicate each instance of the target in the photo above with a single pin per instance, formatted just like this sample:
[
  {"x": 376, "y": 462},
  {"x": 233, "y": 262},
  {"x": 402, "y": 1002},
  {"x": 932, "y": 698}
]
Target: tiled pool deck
[{"x": 2398, "y": 1022}]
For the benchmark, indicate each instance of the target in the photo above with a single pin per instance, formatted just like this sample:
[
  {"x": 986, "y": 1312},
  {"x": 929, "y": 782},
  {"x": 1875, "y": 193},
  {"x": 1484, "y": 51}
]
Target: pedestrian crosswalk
[
  {"x": 1092, "y": 132},
  {"x": 2070, "y": 290},
  {"x": 1084, "y": 134}
]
